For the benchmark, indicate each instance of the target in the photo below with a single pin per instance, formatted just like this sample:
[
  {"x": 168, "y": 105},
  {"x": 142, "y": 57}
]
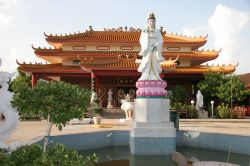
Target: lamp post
[
  {"x": 192, "y": 103},
  {"x": 212, "y": 108}
]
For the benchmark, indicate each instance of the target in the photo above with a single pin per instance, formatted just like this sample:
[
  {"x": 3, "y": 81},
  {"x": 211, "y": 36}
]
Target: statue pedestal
[
  {"x": 152, "y": 133},
  {"x": 110, "y": 105}
]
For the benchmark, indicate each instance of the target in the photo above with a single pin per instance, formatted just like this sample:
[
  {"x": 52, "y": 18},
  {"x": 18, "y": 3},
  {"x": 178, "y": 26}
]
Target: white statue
[
  {"x": 110, "y": 93},
  {"x": 128, "y": 107},
  {"x": 199, "y": 100},
  {"x": 9, "y": 116},
  {"x": 93, "y": 97},
  {"x": 151, "y": 48},
  {"x": 110, "y": 99}
]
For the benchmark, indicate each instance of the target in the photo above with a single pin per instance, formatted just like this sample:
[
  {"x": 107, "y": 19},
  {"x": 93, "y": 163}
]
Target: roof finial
[
  {"x": 151, "y": 16},
  {"x": 90, "y": 28}
]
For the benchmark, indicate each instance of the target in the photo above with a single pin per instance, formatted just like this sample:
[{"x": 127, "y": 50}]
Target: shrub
[
  {"x": 176, "y": 106},
  {"x": 98, "y": 111},
  {"x": 223, "y": 111},
  {"x": 57, "y": 155},
  {"x": 192, "y": 112}
]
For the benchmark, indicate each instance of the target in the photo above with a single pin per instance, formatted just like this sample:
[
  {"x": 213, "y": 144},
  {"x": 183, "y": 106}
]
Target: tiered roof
[
  {"x": 120, "y": 36},
  {"x": 121, "y": 66},
  {"x": 123, "y": 60},
  {"x": 45, "y": 53}
]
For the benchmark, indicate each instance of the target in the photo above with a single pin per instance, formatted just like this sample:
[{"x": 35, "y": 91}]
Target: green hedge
[{"x": 56, "y": 155}]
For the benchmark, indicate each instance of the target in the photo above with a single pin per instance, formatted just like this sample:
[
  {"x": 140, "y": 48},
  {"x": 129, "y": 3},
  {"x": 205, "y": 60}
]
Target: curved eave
[
  {"x": 121, "y": 37},
  {"x": 205, "y": 69},
  {"x": 204, "y": 55},
  {"x": 122, "y": 66}
]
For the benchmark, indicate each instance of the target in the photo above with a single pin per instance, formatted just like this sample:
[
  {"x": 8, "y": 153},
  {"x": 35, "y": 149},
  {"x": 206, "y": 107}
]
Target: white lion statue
[{"x": 128, "y": 107}]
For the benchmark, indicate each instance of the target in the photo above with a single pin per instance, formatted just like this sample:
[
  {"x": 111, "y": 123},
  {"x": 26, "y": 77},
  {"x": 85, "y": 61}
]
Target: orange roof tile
[
  {"x": 204, "y": 69},
  {"x": 59, "y": 68},
  {"x": 206, "y": 55},
  {"x": 120, "y": 37}
]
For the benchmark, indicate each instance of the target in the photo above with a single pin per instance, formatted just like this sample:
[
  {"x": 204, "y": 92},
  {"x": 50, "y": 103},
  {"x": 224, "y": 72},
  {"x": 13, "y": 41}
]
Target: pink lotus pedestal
[
  {"x": 152, "y": 132},
  {"x": 151, "y": 88}
]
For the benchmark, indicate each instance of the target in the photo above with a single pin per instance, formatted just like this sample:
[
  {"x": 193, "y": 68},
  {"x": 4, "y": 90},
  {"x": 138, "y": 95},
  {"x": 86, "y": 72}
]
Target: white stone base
[
  {"x": 153, "y": 129},
  {"x": 152, "y": 133},
  {"x": 110, "y": 106},
  {"x": 152, "y": 110},
  {"x": 202, "y": 114}
]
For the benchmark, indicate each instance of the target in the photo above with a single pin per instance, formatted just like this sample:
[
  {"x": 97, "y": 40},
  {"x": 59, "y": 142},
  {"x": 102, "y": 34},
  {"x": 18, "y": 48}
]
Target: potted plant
[
  {"x": 97, "y": 115},
  {"x": 174, "y": 116}
]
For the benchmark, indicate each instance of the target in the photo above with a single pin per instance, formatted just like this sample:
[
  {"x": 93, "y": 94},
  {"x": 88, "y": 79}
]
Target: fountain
[{"x": 9, "y": 118}]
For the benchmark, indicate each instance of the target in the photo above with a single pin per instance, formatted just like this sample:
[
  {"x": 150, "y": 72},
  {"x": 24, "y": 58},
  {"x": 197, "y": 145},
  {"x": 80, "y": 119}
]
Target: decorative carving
[
  {"x": 173, "y": 48},
  {"x": 120, "y": 29},
  {"x": 79, "y": 47},
  {"x": 126, "y": 47},
  {"x": 102, "y": 47}
]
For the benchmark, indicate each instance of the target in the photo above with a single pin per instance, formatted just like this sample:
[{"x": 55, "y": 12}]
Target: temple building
[{"x": 103, "y": 60}]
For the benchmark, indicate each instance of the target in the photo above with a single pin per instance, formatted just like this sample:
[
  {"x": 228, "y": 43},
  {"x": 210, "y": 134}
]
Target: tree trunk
[{"x": 46, "y": 138}]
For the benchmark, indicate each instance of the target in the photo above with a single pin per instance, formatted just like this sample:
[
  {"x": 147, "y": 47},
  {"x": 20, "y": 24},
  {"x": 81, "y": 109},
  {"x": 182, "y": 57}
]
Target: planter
[
  {"x": 174, "y": 117},
  {"x": 97, "y": 120}
]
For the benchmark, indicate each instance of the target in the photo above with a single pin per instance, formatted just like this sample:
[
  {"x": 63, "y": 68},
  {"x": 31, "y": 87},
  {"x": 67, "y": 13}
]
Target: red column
[
  {"x": 93, "y": 82},
  {"x": 33, "y": 80},
  {"x": 96, "y": 84},
  {"x": 162, "y": 75}
]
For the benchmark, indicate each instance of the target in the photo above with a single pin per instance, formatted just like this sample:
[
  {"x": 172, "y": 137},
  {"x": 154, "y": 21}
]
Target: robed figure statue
[
  {"x": 199, "y": 101},
  {"x": 151, "y": 48}
]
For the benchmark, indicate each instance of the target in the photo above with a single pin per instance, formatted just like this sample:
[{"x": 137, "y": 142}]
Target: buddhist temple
[{"x": 103, "y": 60}]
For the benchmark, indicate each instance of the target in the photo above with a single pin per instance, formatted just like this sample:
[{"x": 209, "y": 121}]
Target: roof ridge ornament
[{"x": 151, "y": 16}]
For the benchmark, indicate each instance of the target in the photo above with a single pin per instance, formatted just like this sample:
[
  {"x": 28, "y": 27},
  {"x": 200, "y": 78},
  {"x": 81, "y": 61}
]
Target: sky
[{"x": 23, "y": 22}]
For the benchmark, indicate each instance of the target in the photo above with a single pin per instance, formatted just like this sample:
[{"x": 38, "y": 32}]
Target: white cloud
[
  {"x": 194, "y": 31},
  {"x": 229, "y": 27},
  {"x": 7, "y": 3},
  {"x": 230, "y": 31},
  {"x": 4, "y": 20},
  {"x": 5, "y": 16}
]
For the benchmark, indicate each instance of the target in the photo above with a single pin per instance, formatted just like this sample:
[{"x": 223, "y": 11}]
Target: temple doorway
[{"x": 127, "y": 93}]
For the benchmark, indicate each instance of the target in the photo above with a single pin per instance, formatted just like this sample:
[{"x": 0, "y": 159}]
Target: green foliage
[
  {"x": 4, "y": 157},
  {"x": 21, "y": 80},
  {"x": 178, "y": 96},
  {"x": 97, "y": 111},
  {"x": 63, "y": 101},
  {"x": 57, "y": 155},
  {"x": 176, "y": 106},
  {"x": 191, "y": 111},
  {"x": 24, "y": 153},
  {"x": 209, "y": 87},
  {"x": 17, "y": 84},
  {"x": 223, "y": 111},
  {"x": 218, "y": 87},
  {"x": 232, "y": 85},
  {"x": 60, "y": 155},
  {"x": 97, "y": 101}
]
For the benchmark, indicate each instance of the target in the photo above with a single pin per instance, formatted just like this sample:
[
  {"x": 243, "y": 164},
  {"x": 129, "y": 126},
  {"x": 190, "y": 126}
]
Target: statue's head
[{"x": 151, "y": 21}]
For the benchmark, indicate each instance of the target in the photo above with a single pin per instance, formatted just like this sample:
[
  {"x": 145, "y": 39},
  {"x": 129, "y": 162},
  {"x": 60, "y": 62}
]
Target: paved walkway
[{"x": 35, "y": 130}]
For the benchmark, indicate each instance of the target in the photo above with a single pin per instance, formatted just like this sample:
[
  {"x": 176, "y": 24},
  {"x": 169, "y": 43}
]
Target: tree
[
  {"x": 233, "y": 90},
  {"x": 179, "y": 95},
  {"x": 21, "y": 79},
  {"x": 219, "y": 87},
  {"x": 59, "y": 102},
  {"x": 209, "y": 87}
]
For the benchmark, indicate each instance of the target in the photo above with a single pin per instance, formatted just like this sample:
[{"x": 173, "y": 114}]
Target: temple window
[{"x": 76, "y": 62}]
